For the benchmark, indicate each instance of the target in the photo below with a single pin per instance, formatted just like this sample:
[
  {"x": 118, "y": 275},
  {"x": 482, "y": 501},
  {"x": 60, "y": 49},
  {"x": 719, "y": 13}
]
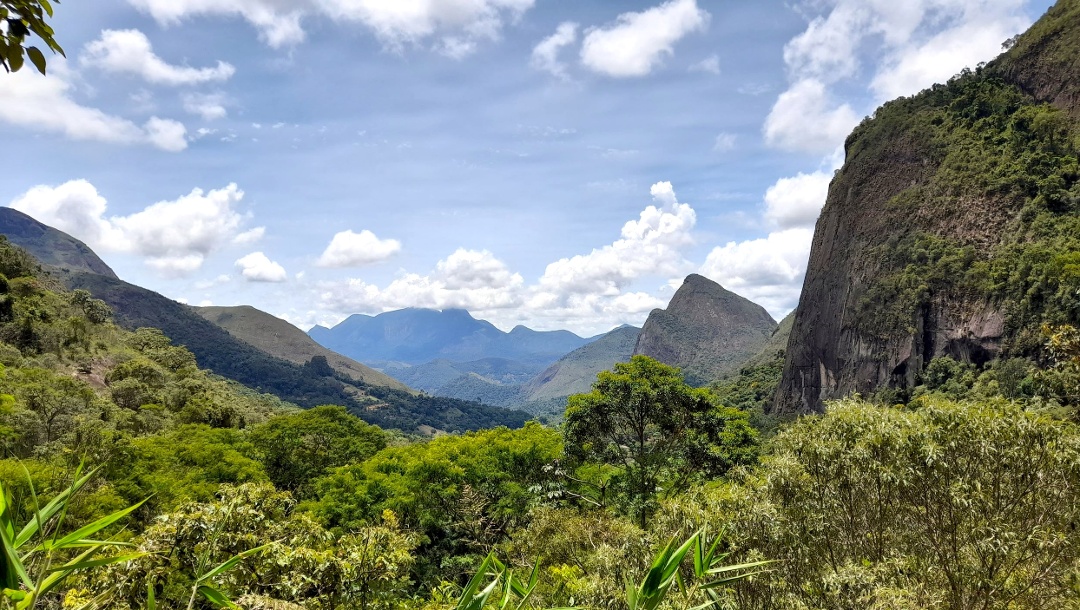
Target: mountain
[
  {"x": 216, "y": 349},
  {"x": 953, "y": 228},
  {"x": 72, "y": 263},
  {"x": 433, "y": 376},
  {"x": 283, "y": 340},
  {"x": 575, "y": 372},
  {"x": 707, "y": 331},
  {"x": 415, "y": 336},
  {"x": 50, "y": 246}
]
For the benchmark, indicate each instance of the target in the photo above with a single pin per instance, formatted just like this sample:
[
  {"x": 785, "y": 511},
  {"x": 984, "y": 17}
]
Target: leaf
[
  {"x": 95, "y": 527},
  {"x": 151, "y": 603},
  {"x": 231, "y": 562},
  {"x": 37, "y": 58},
  {"x": 219, "y": 599},
  {"x": 54, "y": 506},
  {"x": 15, "y": 58}
]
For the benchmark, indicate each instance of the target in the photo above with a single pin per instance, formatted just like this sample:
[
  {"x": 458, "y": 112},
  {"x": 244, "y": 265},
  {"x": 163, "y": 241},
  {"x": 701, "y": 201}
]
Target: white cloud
[
  {"x": 650, "y": 245},
  {"x": 915, "y": 68},
  {"x": 638, "y": 42},
  {"x": 129, "y": 51},
  {"x": 796, "y": 201},
  {"x": 44, "y": 103},
  {"x": 454, "y": 27},
  {"x": 249, "y": 237},
  {"x": 709, "y": 65},
  {"x": 349, "y": 249},
  {"x": 209, "y": 106},
  {"x": 256, "y": 267},
  {"x": 166, "y": 134},
  {"x": 805, "y": 118},
  {"x": 470, "y": 279},
  {"x": 174, "y": 237},
  {"x": 908, "y": 46},
  {"x": 724, "y": 142},
  {"x": 768, "y": 271},
  {"x": 587, "y": 294},
  {"x": 545, "y": 56}
]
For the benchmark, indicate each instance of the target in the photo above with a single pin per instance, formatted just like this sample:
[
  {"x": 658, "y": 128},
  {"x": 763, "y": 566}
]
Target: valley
[{"x": 888, "y": 418}]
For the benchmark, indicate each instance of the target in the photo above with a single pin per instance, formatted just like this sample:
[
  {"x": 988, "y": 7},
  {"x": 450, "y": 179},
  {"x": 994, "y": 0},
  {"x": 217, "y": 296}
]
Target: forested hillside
[{"x": 952, "y": 229}]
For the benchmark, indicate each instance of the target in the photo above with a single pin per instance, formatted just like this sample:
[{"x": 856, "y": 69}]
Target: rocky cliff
[
  {"x": 953, "y": 227},
  {"x": 707, "y": 331}
]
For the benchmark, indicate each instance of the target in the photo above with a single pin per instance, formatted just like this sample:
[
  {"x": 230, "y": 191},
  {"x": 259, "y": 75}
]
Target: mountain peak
[
  {"x": 50, "y": 246},
  {"x": 706, "y": 330}
]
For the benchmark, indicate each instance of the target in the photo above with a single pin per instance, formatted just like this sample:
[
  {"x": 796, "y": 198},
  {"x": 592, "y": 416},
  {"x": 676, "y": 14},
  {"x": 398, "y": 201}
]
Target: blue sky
[{"x": 558, "y": 164}]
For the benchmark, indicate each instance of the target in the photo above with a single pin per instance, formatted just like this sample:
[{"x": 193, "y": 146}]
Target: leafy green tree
[
  {"x": 188, "y": 463},
  {"x": 942, "y": 505},
  {"x": 298, "y": 448},
  {"x": 662, "y": 433},
  {"x": 25, "y": 17},
  {"x": 283, "y": 555},
  {"x": 463, "y": 493}
]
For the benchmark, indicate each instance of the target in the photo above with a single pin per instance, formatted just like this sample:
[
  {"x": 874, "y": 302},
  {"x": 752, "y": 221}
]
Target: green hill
[{"x": 283, "y": 340}]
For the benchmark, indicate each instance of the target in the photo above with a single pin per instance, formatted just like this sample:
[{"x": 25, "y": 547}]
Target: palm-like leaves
[{"x": 28, "y": 570}]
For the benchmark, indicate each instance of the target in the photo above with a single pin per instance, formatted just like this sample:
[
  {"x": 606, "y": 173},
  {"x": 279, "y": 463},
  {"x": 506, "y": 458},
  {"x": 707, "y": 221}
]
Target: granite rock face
[
  {"x": 883, "y": 194},
  {"x": 707, "y": 331}
]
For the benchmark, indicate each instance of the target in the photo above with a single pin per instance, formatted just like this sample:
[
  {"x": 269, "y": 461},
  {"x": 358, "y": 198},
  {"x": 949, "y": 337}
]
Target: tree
[
  {"x": 25, "y": 17},
  {"x": 661, "y": 433},
  {"x": 296, "y": 449}
]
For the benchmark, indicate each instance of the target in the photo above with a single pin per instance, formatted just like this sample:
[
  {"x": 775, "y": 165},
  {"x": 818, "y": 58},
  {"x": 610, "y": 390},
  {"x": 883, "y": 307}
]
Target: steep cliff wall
[{"x": 950, "y": 230}]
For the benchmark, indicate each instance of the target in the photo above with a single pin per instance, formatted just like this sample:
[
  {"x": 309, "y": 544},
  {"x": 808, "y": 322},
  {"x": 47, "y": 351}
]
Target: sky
[{"x": 554, "y": 163}]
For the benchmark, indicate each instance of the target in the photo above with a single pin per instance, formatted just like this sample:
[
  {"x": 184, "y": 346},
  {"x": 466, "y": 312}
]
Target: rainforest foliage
[
  {"x": 195, "y": 492},
  {"x": 998, "y": 151}
]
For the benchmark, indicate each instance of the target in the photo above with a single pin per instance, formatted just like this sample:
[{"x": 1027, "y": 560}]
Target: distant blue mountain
[{"x": 415, "y": 336}]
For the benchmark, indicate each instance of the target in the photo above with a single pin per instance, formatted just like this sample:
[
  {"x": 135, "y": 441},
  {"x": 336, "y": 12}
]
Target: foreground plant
[
  {"x": 709, "y": 574},
  {"x": 37, "y": 557}
]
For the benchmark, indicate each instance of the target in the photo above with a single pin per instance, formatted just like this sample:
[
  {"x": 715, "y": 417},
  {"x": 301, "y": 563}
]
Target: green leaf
[
  {"x": 151, "y": 603},
  {"x": 219, "y": 599},
  {"x": 95, "y": 527},
  {"x": 231, "y": 562},
  {"x": 54, "y": 506},
  {"x": 47, "y": 6},
  {"x": 15, "y": 58},
  {"x": 37, "y": 58}
]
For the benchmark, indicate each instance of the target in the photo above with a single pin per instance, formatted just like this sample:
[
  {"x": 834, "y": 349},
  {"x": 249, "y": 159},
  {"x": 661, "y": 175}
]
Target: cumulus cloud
[
  {"x": 545, "y": 56},
  {"x": 256, "y": 267},
  {"x": 349, "y": 249},
  {"x": 796, "y": 201},
  {"x": 650, "y": 245},
  {"x": 41, "y": 103},
  {"x": 209, "y": 106},
  {"x": 768, "y": 271},
  {"x": 805, "y": 119},
  {"x": 249, "y": 237},
  {"x": 453, "y": 27},
  {"x": 174, "y": 237},
  {"x": 129, "y": 51},
  {"x": 470, "y": 279},
  {"x": 589, "y": 293},
  {"x": 637, "y": 43},
  {"x": 917, "y": 67},
  {"x": 908, "y": 46}
]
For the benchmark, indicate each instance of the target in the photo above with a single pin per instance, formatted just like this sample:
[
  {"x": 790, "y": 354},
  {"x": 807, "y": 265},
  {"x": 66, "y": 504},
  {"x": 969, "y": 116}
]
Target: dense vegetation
[
  {"x": 959, "y": 494},
  {"x": 999, "y": 153}
]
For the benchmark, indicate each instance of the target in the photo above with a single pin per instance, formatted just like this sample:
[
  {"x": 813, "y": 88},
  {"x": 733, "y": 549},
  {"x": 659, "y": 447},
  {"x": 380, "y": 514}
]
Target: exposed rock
[{"x": 707, "y": 331}]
